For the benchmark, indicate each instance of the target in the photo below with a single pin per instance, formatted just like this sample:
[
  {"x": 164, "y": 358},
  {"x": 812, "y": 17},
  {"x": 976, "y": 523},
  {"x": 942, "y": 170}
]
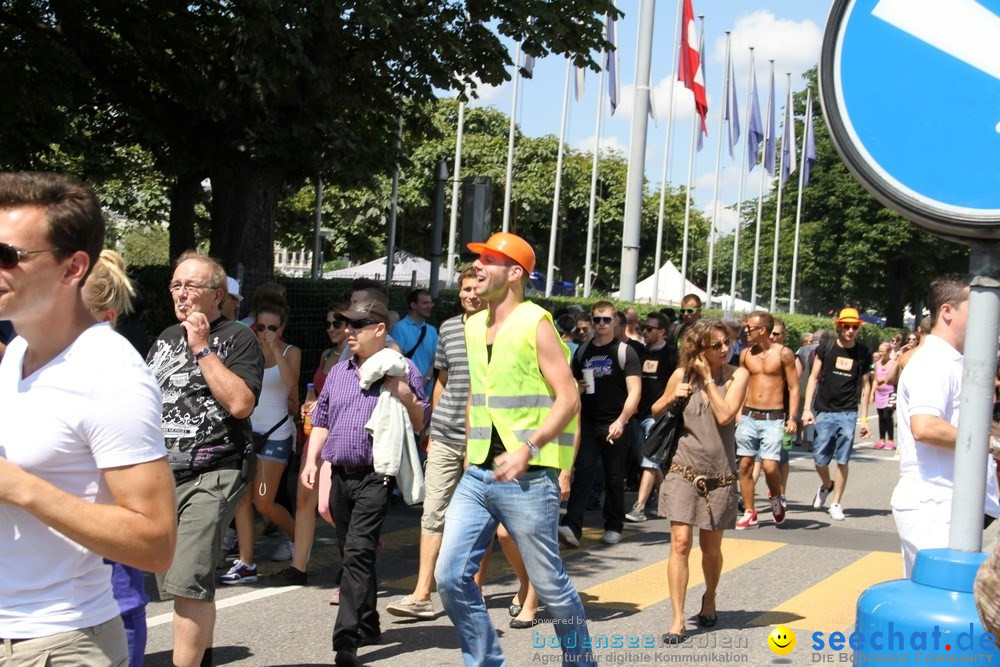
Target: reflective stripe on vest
[{"x": 508, "y": 391}]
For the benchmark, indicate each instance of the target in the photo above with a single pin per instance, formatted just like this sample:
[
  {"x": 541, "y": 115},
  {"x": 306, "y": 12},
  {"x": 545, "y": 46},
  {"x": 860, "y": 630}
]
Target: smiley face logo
[{"x": 781, "y": 640}]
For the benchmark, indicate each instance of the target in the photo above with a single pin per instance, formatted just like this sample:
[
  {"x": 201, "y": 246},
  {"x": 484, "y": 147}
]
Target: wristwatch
[
  {"x": 533, "y": 448},
  {"x": 201, "y": 354}
]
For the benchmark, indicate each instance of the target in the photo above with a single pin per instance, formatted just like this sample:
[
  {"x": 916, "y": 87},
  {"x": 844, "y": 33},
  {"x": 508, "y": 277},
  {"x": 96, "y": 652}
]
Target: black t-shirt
[
  {"x": 197, "y": 431},
  {"x": 605, "y": 404},
  {"x": 6, "y": 332},
  {"x": 657, "y": 366},
  {"x": 843, "y": 370}
]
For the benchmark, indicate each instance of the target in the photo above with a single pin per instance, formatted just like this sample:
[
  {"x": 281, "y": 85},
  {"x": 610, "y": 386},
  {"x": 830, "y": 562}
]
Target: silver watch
[{"x": 533, "y": 448}]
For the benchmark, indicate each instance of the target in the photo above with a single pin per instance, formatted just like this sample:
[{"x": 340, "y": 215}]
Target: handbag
[{"x": 661, "y": 443}]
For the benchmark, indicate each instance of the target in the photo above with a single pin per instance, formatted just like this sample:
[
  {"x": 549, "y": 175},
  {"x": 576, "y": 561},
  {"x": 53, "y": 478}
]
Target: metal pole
[
  {"x": 317, "y": 263},
  {"x": 760, "y": 204},
  {"x": 666, "y": 157},
  {"x": 798, "y": 208},
  {"x": 637, "y": 156},
  {"x": 777, "y": 217},
  {"x": 453, "y": 222},
  {"x": 718, "y": 178},
  {"x": 509, "y": 182},
  {"x": 976, "y": 409},
  {"x": 739, "y": 197},
  {"x": 441, "y": 176},
  {"x": 588, "y": 278},
  {"x": 394, "y": 205},
  {"x": 550, "y": 271}
]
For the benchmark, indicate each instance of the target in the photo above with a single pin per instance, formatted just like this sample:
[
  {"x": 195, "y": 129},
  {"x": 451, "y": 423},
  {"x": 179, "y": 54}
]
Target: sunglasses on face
[
  {"x": 748, "y": 328},
  {"x": 850, "y": 327},
  {"x": 581, "y": 331},
  {"x": 717, "y": 345},
  {"x": 602, "y": 320},
  {"x": 688, "y": 311},
  {"x": 777, "y": 334},
  {"x": 11, "y": 256},
  {"x": 335, "y": 324},
  {"x": 647, "y": 327},
  {"x": 267, "y": 327},
  {"x": 359, "y": 324}
]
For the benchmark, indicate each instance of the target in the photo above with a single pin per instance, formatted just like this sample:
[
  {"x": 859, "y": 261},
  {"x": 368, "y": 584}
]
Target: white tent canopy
[
  {"x": 740, "y": 305},
  {"x": 669, "y": 291},
  {"x": 405, "y": 267}
]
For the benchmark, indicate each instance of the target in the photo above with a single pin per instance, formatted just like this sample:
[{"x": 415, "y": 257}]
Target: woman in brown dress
[{"x": 700, "y": 487}]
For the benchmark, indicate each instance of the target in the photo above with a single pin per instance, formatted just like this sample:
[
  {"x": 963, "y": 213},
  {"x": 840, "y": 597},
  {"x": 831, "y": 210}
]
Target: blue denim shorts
[
  {"x": 277, "y": 450},
  {"x": 759, "y": 436},
  {"x": 834, "y": 437}
]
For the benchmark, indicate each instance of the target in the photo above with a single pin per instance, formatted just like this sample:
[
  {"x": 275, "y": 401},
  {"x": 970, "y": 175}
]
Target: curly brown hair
[{"x": 698, "y": 338}]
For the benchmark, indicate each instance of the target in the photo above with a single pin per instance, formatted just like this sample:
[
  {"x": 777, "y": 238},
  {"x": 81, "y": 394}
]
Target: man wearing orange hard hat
[
  {"x": 837, "y": 383},
  {"x": 522, "y": 422}
]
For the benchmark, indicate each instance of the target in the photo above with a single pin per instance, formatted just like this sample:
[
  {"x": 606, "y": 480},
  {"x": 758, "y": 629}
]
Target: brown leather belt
[
  {"x": 704, "y": 484},
  {"x": 764, "y": 414}
]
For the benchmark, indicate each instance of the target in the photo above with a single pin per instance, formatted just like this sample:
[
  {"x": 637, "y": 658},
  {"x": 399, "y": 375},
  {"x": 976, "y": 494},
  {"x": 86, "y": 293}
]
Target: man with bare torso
[{"x": 764, "y": 417}]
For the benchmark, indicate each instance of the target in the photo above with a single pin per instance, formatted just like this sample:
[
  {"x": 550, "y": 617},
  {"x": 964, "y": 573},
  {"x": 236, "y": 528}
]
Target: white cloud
[
  {"x": 793, "y": 45},
  {"x": 492, "y": 95},
  {"x": 727, "y": 216},
  {"x": 683, "y": 105},
  {"x": 608, "y": 143},
  {"x": 729, "y": 180}
]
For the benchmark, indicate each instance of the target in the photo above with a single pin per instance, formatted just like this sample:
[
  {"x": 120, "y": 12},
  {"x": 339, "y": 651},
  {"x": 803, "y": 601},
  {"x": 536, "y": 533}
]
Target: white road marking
[{"x": 260, "y": 594}]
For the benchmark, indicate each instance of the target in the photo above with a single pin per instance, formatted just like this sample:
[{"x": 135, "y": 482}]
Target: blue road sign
[{"x": 911, "y": 92}]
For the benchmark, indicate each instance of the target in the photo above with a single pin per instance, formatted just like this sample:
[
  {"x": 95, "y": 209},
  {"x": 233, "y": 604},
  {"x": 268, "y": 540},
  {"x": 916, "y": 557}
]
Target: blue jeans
[
  {"x": 529, "y": 510},
  {"x": 760, "y": 437},
  {"x": 834, "y": 437}
]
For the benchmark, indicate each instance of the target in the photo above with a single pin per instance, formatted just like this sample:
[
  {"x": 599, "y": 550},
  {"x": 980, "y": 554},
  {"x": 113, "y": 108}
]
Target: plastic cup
[{"x": 588, "y": 376}]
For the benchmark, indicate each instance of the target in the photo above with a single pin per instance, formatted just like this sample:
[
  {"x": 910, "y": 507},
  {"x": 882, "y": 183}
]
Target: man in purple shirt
[{"x": 359, "y": 497}]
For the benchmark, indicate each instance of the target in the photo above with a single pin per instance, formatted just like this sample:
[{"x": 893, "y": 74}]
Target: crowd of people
[{"x": 150, "y": 465}]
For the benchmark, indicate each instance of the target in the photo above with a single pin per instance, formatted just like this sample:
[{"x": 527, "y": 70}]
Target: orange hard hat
[{"x": 508, "y": 245}]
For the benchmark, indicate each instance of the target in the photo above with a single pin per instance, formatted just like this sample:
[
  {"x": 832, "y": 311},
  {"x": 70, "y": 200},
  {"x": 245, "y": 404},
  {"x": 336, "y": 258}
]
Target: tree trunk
[
  {"x": 895, "y": 302},
  {"x": 244, "y": 206},
  {"x": 183, "y": 195}
]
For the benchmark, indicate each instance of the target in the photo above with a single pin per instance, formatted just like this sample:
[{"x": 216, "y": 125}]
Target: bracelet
[
  {"x": 709, "y": 381},
  {"x": 863, "y": 420}
]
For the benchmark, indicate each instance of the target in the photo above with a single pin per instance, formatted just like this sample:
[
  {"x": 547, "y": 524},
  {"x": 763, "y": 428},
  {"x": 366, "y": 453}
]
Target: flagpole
[
  {"x": 550, "y": 275},
  {"x": 588, "y": 277},
  {"x": 509, "y": 182},
  {"x": 453, "y": 222},
  {"x": 760, "y": 201},
  {"x": 666, "y": 157},
  {"x": 739, "y": 197},
  {"x": 695, "y": 126},
  {"x": 798, "y": 208},
  {"x": 718, "y": 179},
  {"x": 777, "y": 216}
]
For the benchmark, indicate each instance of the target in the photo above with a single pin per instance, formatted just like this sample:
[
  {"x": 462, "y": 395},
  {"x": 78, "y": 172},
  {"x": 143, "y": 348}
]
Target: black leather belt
[
  {"x": 764, "y": 414},
  {"x": 363, "y": 470}
]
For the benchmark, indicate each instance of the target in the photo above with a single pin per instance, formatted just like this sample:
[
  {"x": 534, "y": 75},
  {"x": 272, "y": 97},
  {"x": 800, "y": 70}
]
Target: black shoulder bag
[
  {"x": 256, "y": 444},
  {"x": 661, "y": 443}
]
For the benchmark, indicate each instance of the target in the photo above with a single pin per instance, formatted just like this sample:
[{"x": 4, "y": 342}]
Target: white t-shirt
[
  {"x": 931, "y": 384},
  {"x": 94, "y": 406}
]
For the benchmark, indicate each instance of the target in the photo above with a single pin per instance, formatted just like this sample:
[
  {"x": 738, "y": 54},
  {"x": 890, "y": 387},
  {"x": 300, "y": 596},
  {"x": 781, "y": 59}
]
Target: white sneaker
[
  {"x": 285, "y": 551},
  {"x": 821, "y": 495},
  {"x": 836, "y": 512},
  {"x": 566, "y": 536},
  {"x": 611, "y": 537}
]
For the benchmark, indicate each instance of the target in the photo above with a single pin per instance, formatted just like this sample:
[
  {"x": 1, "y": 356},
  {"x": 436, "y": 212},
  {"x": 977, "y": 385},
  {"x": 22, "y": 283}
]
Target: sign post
[{"x": 911, "y": 93}]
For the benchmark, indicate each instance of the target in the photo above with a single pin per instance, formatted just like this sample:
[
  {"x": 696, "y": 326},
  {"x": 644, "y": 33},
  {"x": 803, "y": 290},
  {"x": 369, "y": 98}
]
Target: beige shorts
[
  {"x": 100, "y": 645},
  {"x": 205, "y": 506},
  {"x": 442, "y": 472}
]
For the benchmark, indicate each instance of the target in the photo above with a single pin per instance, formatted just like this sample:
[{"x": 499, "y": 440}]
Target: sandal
[
  {"x": 673, "y": 639},
  {"x": 707, "y": 621}
]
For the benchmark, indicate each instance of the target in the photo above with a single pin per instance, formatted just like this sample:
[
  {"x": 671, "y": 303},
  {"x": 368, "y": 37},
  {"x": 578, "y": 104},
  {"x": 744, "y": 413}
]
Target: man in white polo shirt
[
  {"x": 83, "y": 470},
  {"x": 928, "y": 398}
]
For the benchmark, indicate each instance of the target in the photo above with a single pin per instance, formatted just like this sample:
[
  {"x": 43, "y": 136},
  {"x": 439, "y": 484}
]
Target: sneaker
[
  {"x": 291, "y": 576},
  {"x": 611, "y": 537},
  {"x": 784, "y": 502},
  {"x": 407, "y": 607},
  {"x": 889, "y": 446},
  {"x": 749, "y": 520},
  {"x": 285, "y": 551},
  {"x": 836, "y": 512},
  {"x": 566, "y": 536},
  {"x": 240, "y": 573},
  {"x": 777, "y": 511},
  {"x": 821, "y": 495},
  {"x": 879, "y": 445},
  {"x": 638, "y": 514}
]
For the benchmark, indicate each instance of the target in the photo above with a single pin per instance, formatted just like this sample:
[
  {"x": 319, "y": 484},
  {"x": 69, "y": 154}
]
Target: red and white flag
[{"x": 691, "y": 74}]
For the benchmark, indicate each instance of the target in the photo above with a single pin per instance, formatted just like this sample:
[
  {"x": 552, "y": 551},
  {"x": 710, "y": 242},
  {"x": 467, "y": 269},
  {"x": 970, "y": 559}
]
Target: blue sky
[{"x": 789, "y": 31}]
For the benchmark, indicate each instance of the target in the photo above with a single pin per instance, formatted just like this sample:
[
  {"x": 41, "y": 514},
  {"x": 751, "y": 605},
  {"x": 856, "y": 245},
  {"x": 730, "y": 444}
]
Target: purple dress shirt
[{"x": 344, "y": 408}]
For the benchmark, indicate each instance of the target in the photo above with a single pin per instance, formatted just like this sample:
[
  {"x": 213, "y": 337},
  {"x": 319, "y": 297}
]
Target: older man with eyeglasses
[{"x": 836, "y": 382}]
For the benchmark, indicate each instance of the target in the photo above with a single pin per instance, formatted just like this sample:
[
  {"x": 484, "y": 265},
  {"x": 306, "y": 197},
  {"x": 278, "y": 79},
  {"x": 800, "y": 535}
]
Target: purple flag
[
  {"x": 788, "y": 160},
  {"x": 769, "y": 138},
  {"x": 808, "y": 143},
  {"x": 731, "y": 107},
  {"x": 755, "y": 131}
]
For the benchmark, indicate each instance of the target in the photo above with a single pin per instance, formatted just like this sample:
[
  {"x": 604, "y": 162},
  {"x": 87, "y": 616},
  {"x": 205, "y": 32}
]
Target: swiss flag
[{"x": 691, "y": 74}]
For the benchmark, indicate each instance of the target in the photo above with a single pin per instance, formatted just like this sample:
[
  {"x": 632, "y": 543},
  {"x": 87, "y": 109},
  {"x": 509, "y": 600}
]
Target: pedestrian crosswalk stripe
[
  {"x": 830, "y": 605},
  {"x": 648, "y": 586}
]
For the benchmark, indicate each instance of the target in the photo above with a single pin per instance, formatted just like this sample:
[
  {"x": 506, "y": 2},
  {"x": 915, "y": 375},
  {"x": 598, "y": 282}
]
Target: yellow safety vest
[{"x": 508, "y": 390}]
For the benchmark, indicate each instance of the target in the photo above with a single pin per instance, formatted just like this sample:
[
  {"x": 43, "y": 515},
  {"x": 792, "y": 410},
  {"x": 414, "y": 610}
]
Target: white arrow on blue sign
[{"x": 911, "y": 92}]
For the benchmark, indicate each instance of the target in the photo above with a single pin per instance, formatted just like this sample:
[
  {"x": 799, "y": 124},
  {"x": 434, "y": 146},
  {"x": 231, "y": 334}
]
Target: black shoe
[
  {"x": 515, "y": 624},
  {"x": 291, "y": 576},
  {"x": 707, "y": 621},
  {"x": 514, "y": 610},
  {"x": 346, "y": 658},
  {"x": 673, "y": 639},
  {"x": 370, "y": 640}
]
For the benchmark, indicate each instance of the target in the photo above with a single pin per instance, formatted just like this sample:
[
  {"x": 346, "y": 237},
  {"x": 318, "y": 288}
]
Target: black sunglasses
[
  {"x": 775, "y": 334},
  {"x": 688, "y": 311},
  {"x": 336, "y": 324},
  {"x": 850, "y": 326},
  {"x": 647, "y": 327},
  {"x": 267, "y": 327},
  {"x": 581, "y": 331},
  {"x": 360, "y": 324},
  {"x": 718, "y": 345},
  {"x": 602, "y": 320},
  {"x": 11, "y": 256}
]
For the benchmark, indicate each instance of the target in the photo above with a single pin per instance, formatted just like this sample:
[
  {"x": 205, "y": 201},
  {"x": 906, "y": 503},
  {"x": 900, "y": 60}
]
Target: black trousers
[
  {"x": 885, "y": 423},
  {"x": 594, "y": 448},
  {"x": 358, "y": 502}
]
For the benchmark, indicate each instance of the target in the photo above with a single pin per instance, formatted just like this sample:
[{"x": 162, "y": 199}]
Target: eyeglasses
[
  {"x": 335, "y": 324},
  {"x": 359, "y": 324},
  {"x": 581, "y": 331},
  {"x": 177, "y": 288},
  {"x": 647, "y": 327},
  {"x": 11, "y": 256},
  {"x": 688, "y": 311},
  {"x": 718, "y": 344},
  {"x": 268, "y": 327},
  {"x": 850, "y": 327},
  {"x": 602, "y": 320}
]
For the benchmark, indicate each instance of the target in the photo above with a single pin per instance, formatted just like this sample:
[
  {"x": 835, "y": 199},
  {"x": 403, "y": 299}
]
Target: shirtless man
[{"x": 764, "y": 418}]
